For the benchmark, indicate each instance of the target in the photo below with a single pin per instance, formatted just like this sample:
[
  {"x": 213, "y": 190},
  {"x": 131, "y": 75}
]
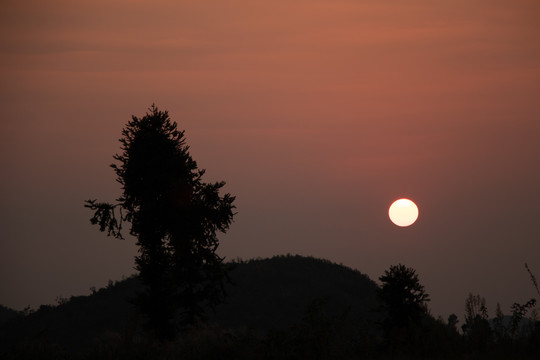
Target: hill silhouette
[
  {"x": 263, "y": 295},
  {"x": 276, "y": 292},
  {"x": 6, "y": 314}
]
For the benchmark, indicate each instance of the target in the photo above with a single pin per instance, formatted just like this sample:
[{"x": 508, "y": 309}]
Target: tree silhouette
[
  {"x": 403, "y": 297},
  {"x": 403, "y": 302},
  {"x": 476, "y": 329},
  {"x": 175, "y": 217}
]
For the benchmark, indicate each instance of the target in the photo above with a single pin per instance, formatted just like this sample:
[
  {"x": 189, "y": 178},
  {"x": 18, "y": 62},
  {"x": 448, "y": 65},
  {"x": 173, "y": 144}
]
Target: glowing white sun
[{"x": 403, "y": 212}]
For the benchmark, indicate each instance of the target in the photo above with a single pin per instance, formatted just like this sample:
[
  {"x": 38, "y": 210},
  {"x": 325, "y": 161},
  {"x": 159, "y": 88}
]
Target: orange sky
[{"x": 317, "y": 114}]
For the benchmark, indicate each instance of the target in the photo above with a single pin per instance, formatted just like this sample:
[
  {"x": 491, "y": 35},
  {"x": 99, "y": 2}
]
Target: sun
[{"x": 403, "y": 212}]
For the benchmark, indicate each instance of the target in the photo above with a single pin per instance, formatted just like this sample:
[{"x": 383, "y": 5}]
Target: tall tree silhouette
[
  {"x": 402, "y": 295},
  {"x": 175, "y": 217},
  {"x": 403, "y": 302}
]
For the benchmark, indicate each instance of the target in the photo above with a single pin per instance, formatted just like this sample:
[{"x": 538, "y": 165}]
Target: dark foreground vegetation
[{"x": 287, "y": 307}]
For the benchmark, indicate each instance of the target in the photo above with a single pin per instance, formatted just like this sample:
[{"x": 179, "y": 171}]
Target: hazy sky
[{"x": 317, "y": 114}]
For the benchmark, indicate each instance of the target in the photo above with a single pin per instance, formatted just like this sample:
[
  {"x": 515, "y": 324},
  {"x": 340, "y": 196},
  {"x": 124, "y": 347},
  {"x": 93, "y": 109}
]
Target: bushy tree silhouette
[
  {"x": 402, "y": 295},
  {"x": 403, "y": 301},
  {"x": 175, "y": 217}
]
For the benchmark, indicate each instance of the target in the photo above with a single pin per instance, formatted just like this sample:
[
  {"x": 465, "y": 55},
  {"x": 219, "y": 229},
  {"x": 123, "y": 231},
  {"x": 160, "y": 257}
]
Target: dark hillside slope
[
  {"x": 6, "y": 314},
  {"x": 264, "y": 294},
  {"x": 276, "y": 292},
  {"x": 76, "y": 322}
]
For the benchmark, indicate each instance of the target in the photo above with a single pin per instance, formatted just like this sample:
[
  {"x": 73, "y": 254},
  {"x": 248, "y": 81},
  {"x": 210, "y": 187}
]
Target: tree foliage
[
  {"x": 476, "y": 329},
  {"x": 403, "y": 302},
  {"x": 175, "y": 217},
  {"x": 404, "y": 298},
  {"x": 475, "y": 308}
]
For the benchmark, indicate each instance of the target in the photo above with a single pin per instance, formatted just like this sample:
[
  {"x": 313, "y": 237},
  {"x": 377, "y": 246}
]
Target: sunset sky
[{"x": 317, "y": 114}]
